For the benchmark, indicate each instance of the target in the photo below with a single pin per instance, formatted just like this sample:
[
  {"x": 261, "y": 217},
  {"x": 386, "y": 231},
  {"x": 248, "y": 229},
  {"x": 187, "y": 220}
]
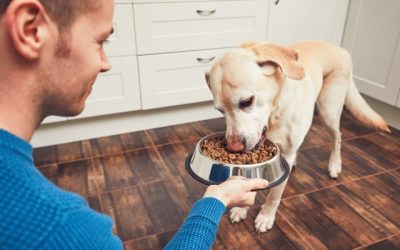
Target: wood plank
[
  {"x": 393, "y": 136},
  {"x": 354, "y": 164},
  {"x": 174, "y": 134},
  {"x": 119, "y": 143},
  {"x": 378, "y": 195},
  {"x": 61, "y": 153},
  {"x": 350, "y": 127},
  {"x": 157, "y": 241},
  {"x": 356, "y": 221},
  {"x": 392, "y": 243},
  {"x": 175, "y": 156},
  {"x": 316, "y": 136},
  {"x": 302, "y": 180},
  {"x": 377, "y": 150},
  {"x": 144, "y": 210},
  {"x": 211, "y": 126},
  {"x": 78, "y": 177},
  {"x": 129, "y": 168},
  {"x": 395, "y": 173},
  {"x": 317, "y": 229}
]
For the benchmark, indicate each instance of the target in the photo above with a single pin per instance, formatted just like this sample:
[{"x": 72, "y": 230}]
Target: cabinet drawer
[
  {"x": 115, "y": 91},
  {"x": 174, "y": 79},
  {"x": 173, "y": 27},
  {"x": 122, "y": 41}
]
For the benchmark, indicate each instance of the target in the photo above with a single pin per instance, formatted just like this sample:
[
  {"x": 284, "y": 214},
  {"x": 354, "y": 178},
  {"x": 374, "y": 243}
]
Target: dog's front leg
[
  {"x": 266, "y": 217},
  {"x": 238, "y": 214}
]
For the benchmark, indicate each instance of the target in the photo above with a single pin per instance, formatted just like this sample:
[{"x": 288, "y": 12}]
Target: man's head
[
  {"x": 64, "y": 12},
  {"x": 53, "y": 50},
  {"x": 246, "y": 84}
]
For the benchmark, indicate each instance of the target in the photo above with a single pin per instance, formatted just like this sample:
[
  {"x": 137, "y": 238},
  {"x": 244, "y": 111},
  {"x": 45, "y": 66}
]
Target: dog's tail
[{"x": 358, "y": 107}]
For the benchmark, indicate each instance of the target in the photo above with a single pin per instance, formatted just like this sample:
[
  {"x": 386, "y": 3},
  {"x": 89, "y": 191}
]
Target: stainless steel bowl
[{"x": 209, "y": 171}]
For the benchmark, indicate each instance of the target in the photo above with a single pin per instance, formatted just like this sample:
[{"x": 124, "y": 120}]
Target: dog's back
[{"x": 330, "y": 68}]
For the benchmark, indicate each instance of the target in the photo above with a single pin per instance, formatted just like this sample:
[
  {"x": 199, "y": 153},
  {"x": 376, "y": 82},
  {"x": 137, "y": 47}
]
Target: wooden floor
[{"x": 139, "y": 179}]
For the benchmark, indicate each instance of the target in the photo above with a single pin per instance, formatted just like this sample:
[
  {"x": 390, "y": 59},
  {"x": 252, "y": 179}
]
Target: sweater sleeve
[
  {"x": 200, "y": 228},
  {"x": 83, "y": 229}
]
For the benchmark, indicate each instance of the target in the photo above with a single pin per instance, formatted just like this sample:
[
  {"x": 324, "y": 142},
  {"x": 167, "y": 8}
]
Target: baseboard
[{"x": 87, "y": 128}]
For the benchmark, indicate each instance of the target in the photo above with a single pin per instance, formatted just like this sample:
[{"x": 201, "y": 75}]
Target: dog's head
[{"x": 246, "y": 84}]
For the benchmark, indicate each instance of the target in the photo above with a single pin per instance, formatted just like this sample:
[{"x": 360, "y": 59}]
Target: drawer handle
[
  {"x": 205, "y": 60},
  {"x": 205, "y": 12}
]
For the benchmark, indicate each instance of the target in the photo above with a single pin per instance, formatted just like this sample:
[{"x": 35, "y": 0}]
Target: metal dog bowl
[{"x": 209, "y": 171}]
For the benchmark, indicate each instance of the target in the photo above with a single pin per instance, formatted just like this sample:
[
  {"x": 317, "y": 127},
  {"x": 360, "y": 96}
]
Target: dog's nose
[{"x": 235, "y": 146}]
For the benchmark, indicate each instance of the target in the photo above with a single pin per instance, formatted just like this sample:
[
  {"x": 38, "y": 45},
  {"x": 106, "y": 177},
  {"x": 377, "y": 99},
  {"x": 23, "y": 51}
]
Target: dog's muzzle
[{"x": 263, "y": 136}]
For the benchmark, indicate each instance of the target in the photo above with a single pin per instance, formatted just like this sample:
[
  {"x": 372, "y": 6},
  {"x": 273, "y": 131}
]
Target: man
[{"x": 50, "y": 54}]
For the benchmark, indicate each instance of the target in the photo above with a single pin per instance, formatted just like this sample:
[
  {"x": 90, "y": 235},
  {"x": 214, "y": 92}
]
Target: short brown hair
[{"x": 64, "y": 12}]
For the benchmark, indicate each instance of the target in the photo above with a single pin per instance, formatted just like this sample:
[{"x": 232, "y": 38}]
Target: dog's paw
[
  {"x": 264, "y": 222},
  {"x": 335, "y": 169},
  {"x": 238, "y": 214}
]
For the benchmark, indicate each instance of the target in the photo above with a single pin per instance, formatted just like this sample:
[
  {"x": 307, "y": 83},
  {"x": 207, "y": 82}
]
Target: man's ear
[
  {"x": 26, "y": 22},
  {"x": 207, "y": 76},
  {"x": 285, "y": 58}
]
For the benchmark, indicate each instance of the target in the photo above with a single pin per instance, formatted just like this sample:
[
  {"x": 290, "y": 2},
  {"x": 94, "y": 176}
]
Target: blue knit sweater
[{"x": 36, "y": 214}]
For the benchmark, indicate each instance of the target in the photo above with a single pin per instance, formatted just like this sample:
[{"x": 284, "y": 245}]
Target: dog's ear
[
  {"x": 285, "y": 58},
  {"x": 207, "y": 76},
  {"x": 268, "y": 68}
]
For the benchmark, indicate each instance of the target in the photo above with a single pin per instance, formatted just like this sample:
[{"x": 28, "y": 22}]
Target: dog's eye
[{"x": 246, "y": 103}]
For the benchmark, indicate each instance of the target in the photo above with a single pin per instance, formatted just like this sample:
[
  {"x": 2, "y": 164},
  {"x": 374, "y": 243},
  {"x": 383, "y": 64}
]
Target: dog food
[{"x": 215, "y": 148}]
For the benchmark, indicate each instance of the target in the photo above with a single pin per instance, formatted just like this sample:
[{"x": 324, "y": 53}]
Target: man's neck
[{"x": 18, "y": 114}]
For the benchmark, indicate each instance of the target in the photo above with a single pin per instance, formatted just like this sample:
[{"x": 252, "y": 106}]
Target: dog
[{"x": 265, "y": 90}]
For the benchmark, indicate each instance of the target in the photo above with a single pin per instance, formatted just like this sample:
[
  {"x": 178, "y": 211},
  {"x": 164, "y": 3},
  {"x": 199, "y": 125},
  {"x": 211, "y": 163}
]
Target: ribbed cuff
[{"x": 209, "y": 207}]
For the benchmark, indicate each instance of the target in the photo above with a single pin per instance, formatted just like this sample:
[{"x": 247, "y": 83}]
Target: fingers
[
  {"x": 251, "y": 198},
  {"x": 238, "y": 177},
  {"x": 253, "y": 184}
]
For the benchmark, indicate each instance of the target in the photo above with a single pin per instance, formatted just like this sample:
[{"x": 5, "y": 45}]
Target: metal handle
[
  {"x": 205, "y": 12},
  {"x": 205, "y": 60},
  {"x": 277, "y": 2}
]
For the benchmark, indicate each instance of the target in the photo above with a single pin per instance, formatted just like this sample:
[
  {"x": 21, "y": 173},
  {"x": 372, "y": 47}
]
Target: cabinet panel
[
  {"x": 122, "y": 41},
  {"x": 174, "y": 79},
  {"x": 115, "y": 91},
  {"x": 293, "y": 20},
  {"x": 53, "y": 119},
  {"x": 173, "y": 27},
  {"x": 398, "y": 100},
  {"x": 372, "y": 37}
]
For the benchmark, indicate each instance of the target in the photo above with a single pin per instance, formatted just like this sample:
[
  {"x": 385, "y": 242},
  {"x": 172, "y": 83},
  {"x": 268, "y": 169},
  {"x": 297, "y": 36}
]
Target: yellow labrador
[{"x": 268, "y": 91}]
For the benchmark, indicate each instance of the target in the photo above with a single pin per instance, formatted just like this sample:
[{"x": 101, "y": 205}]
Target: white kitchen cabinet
[
  {"x": 115, "y": 91},
  {"x": 176, "y": 78},
  {"x": 398, "y": 100},
  {"x": 52, "y": 119},
  {"x": 296, "y": 20},
  {"x": 175, "y": 27},
  {"x": 122, "y": 41},
  {"x": 372, "y": 37}
]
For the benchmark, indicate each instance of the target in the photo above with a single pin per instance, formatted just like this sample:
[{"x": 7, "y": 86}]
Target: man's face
[{"x": 69, "y": 77}]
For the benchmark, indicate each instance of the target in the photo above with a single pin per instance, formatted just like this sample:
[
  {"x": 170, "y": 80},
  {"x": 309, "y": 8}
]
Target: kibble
[{"x": 215, "y": 148}]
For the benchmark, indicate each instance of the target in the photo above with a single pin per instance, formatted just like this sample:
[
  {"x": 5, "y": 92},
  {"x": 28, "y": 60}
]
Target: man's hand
[{"x": 237, "y": 191}]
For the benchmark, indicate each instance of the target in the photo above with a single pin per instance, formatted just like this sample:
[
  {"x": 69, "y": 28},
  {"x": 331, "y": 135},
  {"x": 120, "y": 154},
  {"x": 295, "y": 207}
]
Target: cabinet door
[
  {"x": 122, "y": 41},
  {"x": 115, "y": 91},
  {"x": 175, "y": 79},
  {"x": 291, "y": 21},
  {"x": 174, "y": 27},
  {"x": 372, "y": 37},
  {"x": 398, "y": 100}
]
